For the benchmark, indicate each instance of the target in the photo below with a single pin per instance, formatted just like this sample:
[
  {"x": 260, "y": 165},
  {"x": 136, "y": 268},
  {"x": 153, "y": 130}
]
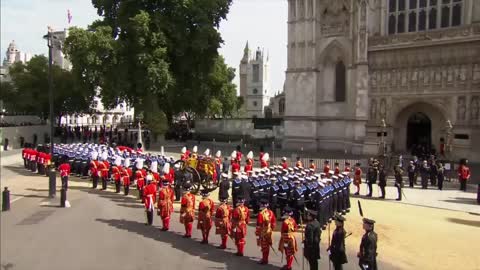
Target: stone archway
[{"x": 419, "y": 123}]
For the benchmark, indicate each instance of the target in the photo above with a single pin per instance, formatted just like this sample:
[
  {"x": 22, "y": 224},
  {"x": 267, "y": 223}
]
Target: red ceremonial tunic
[
  {"x": 326, "y": 170},
  {"x": 94, "y": 168},
  {"x": 299, "y": 164},
  {"x": 126, "y": 174},
  {"x": 284, "y": 165},
  {"x": 463, "y": 172},
  {"x": 235, "y": 167},
  {"x": 140, "y": 177},
  {"x": 337, "y": 170},
  {"x": 64, "y": 169},
  {"x": 165, "y": 202},
  {"x": 187, "y": 209},
  {"x": 222, "y": 219},
  {"x": 357, "y": 180},
  {"x": 288, "y": 242},
  {"x": 265, "y": 225},
  {"x": 206, "y": 208},
  {"x": 150, "y": 195},
  {"x": 263, "y": 164},
  {"x": 313, "y": 166},
  {"x": 248, "y": 167},
  {"x": 240, "y": 219}
]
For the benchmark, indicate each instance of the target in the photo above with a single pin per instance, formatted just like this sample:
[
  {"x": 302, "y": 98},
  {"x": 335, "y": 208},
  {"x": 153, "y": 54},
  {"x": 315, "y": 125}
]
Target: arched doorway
[{"x": 419, "y": 130}]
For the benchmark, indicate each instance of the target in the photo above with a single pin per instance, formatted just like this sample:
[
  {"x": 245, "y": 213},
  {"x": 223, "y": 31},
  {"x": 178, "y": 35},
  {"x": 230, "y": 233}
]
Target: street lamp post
[
  {"x": 140, "y": 118},
  {"x": 52, "y": 174}
]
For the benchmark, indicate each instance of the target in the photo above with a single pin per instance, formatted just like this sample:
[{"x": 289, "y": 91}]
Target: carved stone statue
[
  {"x": 373, "y": 109},
  {"x": 383, "y": 108}
]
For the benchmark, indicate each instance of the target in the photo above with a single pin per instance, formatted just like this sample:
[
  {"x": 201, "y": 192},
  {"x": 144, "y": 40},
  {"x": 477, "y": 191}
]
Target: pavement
[{"x": 104, "y": 230}]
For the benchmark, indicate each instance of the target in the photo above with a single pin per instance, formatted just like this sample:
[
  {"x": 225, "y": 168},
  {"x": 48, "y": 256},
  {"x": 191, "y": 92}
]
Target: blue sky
[{"x": 262, "y": 22}]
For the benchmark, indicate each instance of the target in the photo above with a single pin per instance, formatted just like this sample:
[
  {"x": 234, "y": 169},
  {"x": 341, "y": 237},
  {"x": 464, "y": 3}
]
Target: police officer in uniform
[
  {"x": 382, "y": 180},
  {"x": 236, "y": 188},
  {"x": 224, "y": 187},
  {"x": 367, "y": 254},
  {"x": 313, "y": 234}
]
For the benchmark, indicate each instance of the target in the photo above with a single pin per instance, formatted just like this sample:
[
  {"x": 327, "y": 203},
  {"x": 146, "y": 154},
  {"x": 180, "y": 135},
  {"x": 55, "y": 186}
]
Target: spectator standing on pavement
[
  {"x": 433, "y": 172},
  {"x": 382, "y": 180},
  {"x": 463, "y": 174},
  {"x": 411, "y": 173},
  {"x": 440, "y": 175},
  {"x": 399, "y": 181}
]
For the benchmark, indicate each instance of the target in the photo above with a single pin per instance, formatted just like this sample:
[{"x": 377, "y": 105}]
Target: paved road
[{"x": 103, "y": 230}]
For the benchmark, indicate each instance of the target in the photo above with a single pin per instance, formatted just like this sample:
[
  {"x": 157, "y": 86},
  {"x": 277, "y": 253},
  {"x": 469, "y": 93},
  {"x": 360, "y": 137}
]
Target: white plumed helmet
[
  {"x": 149, "y": 177},
  {"x": 154, "y": 166},
  {"x": 250, "y": 155},
  {"x": 218, "y": 154},
  {"x": 104, "y": 155},
  {"x": 184, "y": 150},
  {"x": 94, "y": 155},
  {"x": 266, "y": 157},
  {"x": 127, "y": 162},
  {"x": 234, "y": 154},
  {"x": 195, "y": 149},
  {"x": 207, "y": 152},
  {"x": 166, "y": 168}
]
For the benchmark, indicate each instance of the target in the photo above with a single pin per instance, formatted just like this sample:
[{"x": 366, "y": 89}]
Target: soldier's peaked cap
[
  {"x": 312, "y": 213},
  {"x": 368, "y": 221},
  {"x": 264, "y": 201},
  {"x": 339, "y": 218}
]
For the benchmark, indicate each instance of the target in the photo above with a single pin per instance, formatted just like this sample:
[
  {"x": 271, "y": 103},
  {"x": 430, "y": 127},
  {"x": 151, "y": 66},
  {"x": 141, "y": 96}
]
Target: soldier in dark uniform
[
  {"x": 224, "y": 187},
  {"x": 336, "y": 249},
  {"x": 283, "y": 193},
  {"x": 433, "y": 172},
  {"x": 398, "y": 181},
  {"x": 382, "y": 180},
  {"x": 440, "y": 175},
  {"x": 313, "y": 234},
  {"x": 336, "y": 195},
  {"x": 255, "y": 189},
  {"x": 371, "y": 179},
  {"x": 273, "y": 195},
  {"x": 368, "y": 247},
  {"x": 236, "y": 188},
  {"x": 298, "y": 201},
  {"x": 245, "y": 190}
]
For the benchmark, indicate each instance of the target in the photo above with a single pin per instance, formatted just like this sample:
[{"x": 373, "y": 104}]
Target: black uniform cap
[
  {"x": 339, "y": 218},
  {"x": 368, "y": 221},
  {"x": 312, "y": 213},
  {"x": 264, "y": 201}
]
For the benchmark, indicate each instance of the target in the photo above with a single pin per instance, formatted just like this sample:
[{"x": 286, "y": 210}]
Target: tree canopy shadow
[{"x": 473, "y": 223}]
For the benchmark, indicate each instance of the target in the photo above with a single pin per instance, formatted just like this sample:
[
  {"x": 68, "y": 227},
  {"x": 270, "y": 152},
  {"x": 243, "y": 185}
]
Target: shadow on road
[
  {"x": 21, "y": 171},
  {"x": 29, "y": 196},
  {"x": 209, "y": 253},
  {"x": 462, "y": 200},
  {"x": 473, "y": 223}
]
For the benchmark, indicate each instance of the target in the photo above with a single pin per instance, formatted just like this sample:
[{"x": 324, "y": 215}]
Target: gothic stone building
[{"x": 413, "y": 63}]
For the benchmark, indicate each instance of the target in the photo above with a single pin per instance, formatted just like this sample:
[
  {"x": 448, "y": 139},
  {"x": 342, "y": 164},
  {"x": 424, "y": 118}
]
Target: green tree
[
  {"x": 161, "y": 50},
  {"x": 28, "y": 91}
]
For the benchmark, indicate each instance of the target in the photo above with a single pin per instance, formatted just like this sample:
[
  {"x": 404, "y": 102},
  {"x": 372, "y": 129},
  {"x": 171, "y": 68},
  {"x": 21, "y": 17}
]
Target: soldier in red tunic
[
  {"x": 240, "y": 219},
  {"x": 116, "y": 173},
  {"x": 206, "y": 208},
  {"x": 187, "y": 210},
  {"x": 155, "y": 174},
  {"x": 248, "y": 166},
  {"x": 312, "y": 165},
  {"x": 299, "y": 163},
  {"x": 94, "y": 169},
  {"x": 288, "y": 242},
  {"x": 222, "y": 221},
  {"x": 265, "y": 225},
  {"x": 463, "y": 174},
  {"x": 284, "y": 163},
  {"x": 103, "y": 167},
  {"x": 326, "y": 168},
  {"x": 150, "y": 193},
  {"x": 218, "y": 164},
  {"x": 126, "y": 175},
  {"x": 347, "y": 167},
  {"x": 264, "y": 161},
  {"x": 235, "y": 166},
  {"x": 140, "y": 177},
  {"x": 357, "y": 179},
  {"x": 337, "y": 169},
  {"x": 64, "y": 169},
  {"x": 165, "y": 204}
]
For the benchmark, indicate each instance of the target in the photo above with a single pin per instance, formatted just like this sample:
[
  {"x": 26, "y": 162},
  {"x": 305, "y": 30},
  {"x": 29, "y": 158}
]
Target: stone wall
[
  {"x": 13, "y": 134},
  {"x": 235, "y": 129}
]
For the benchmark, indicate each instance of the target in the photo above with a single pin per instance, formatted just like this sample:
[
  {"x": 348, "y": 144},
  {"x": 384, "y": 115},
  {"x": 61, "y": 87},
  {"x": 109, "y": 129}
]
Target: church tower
[
  {"x": 327, "y": 75},
  {"x": 255, "y": 82}
]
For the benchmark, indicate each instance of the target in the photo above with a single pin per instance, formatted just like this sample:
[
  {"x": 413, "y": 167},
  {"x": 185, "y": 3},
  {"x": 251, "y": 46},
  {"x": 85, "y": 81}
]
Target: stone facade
[
  {"x": 255, "y": 82},
  {"x": 352, "y": 63}
]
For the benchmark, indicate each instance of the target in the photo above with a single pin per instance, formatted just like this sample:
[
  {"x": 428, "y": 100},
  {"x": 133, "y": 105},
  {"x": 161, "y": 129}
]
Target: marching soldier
[
  {"x": 284, "y": 163},
  {"x": 64, "y": 169},
  {"x": 126, "y": 176},
  {"x": 94, "y": 169},
  {"x": 368, "y": 247},
  {"x": 347, "y": 167},
  {"x": 248, "y": 165},
  {"x": 313, "y": 232},
  {"x": 245, "y": 190},
  {"x": 298, "y": 200},
  {"x": 223, "y": 187},
  {"x": 312, "y": 165},
  {"x": 222, "y": 221},
  {"x": 266, "y": 223},
  {"x": 337, "y": 168},
  {"x": 288, "y": 242},
  {"x": 273, "y": 195},
  {"x": 240, "y": 219},
  {"x": 337, "y": 246},
  {"x": 206, "y": 208},
  {"x": 236, "y": 188},
  {"x": 218, "y": 164},
  {"x": 116, "y": 169},
  {"x": 165, "y": 204},
  {"x": 299, "y": 163},
  {"x": 187, "y": 210},
  {"x": 463, "y": 174},
  {"x": 357, "y": 180},
  {"x": 441, "y": 175},
  {"x": 371, "y": 179},
  {"x": 103, "y": 167},
  {"x": 140, "y": 177},
  {"x": 150, "y": 193},
  {"x": 185, "y": 154},
  {"x": 264, "y": 161},
  {"x": 326, "y": 168}
]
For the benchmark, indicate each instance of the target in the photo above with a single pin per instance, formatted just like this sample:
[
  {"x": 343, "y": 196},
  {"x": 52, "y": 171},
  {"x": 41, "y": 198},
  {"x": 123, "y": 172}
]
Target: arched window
[
  {"x": 340, "y": 82},
  {"x": 255, "y": 91}
]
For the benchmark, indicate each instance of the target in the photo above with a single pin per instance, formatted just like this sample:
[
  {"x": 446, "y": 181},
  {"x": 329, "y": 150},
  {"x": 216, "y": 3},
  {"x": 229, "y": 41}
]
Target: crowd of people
[
  {"x": 20, "y": 124},
  {"x": 297, "y": 194}
]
